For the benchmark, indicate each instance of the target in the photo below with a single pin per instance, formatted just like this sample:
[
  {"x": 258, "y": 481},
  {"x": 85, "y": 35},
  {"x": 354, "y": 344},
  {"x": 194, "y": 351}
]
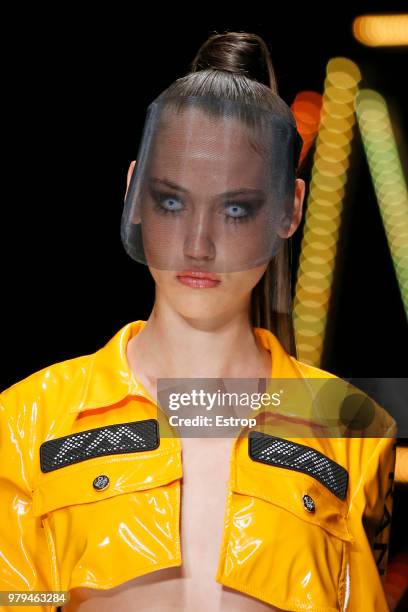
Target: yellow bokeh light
[{"x": 324, "y": 208}]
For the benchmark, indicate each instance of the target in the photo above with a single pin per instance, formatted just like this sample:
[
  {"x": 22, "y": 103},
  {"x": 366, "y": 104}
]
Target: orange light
[
  {"x": 306, "y": 108},
  {"x": 381, "y": 30}
]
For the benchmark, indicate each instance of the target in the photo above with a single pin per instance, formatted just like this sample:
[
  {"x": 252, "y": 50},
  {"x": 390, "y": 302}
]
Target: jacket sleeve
[
  {"x": 24, "y": 557},
  {"x": 379, "y": 490},
  {"x": 373, "y": 510}
]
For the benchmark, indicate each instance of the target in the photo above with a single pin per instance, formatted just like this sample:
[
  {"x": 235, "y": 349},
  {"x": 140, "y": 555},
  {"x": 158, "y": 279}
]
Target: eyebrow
[{"x": 230, "y": 194}]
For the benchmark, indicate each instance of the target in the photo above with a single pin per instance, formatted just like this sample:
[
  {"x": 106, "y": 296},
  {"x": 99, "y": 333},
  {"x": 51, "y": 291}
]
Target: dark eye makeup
[{"x": 247, "y": 209}]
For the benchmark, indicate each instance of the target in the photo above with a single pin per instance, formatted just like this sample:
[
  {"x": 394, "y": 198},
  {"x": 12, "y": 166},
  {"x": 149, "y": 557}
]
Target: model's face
[
  {"x": 206, "y": 207},
  {"x": 206, "y": 198}
]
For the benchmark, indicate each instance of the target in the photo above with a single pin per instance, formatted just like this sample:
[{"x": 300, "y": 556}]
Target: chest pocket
[
  {"x": 287, "y": 540},
  {"x": 109, "y": 501}
]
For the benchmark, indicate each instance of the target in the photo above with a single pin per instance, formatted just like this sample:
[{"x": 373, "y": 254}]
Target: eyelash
[{"x": 160, "y": 197}]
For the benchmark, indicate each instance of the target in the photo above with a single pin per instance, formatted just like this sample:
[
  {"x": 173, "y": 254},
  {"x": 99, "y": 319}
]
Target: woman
[{"x": 102, "y": 499}]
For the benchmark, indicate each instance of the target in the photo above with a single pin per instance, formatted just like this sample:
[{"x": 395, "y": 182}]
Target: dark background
[{"x": 76, "y": 84}]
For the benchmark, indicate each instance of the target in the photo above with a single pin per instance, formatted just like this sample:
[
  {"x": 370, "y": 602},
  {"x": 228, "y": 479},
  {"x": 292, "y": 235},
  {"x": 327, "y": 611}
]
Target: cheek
[
  {"x": 162, "y": 278},
  {"x": 245, "y": 281}
]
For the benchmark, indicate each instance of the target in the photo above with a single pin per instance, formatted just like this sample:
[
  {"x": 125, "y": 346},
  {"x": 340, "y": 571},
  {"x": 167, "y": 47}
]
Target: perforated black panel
[
  {"x": 284, "y": 453},
  {"x": 109, "y": 440}
]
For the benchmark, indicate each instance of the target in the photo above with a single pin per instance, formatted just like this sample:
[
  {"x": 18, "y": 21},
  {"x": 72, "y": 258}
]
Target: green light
[{"x": 388, "y": 179}]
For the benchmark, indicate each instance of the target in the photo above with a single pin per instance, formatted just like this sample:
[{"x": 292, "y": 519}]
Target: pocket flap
[
  {"x": 259, "y": 472},
  {"x": 96, "y": 470}
]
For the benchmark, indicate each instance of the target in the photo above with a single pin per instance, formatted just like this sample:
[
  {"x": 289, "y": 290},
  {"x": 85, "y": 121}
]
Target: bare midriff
[{"x": 192, "y": 586}]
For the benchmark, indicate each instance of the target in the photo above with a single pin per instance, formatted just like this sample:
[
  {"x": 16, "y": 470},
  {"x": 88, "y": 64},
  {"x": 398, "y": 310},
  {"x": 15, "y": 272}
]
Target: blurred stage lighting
[
  {"x": 388, "y": 179},
  {"x": 324, "y": 208},
  {"x": 381, "y": 30},
  {"x": 307, "y": 108}
]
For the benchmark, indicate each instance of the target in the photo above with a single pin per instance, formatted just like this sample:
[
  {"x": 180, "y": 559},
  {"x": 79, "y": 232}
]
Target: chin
[
  {"x": 199, "y": 306},
  {"x": 205, "y": 304}
]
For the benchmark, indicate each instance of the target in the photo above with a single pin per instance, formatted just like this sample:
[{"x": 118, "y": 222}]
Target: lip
[
  {"x": 198, "y": 280},
  {"x": 198, "y": 274}
]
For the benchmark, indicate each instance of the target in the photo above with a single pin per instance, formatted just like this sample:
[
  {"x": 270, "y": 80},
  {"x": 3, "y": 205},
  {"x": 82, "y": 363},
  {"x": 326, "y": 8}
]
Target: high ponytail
[{"x": 239, "y": 53}]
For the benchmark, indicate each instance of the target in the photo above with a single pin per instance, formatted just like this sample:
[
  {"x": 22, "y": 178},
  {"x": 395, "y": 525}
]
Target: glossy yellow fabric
[{"x": 57, "y": 532}]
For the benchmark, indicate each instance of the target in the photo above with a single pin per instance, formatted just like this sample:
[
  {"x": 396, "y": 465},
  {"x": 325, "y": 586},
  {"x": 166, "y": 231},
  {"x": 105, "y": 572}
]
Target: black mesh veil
[{"x": 213, "y": 185}]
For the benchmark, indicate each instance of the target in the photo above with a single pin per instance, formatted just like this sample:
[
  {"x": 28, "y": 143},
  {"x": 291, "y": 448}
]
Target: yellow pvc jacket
[{"x": 58, "y": 531}]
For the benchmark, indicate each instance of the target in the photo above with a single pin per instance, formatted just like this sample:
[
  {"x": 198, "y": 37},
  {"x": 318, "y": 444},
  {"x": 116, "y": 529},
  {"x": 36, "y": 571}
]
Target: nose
[{"x": 198, "y": 242}]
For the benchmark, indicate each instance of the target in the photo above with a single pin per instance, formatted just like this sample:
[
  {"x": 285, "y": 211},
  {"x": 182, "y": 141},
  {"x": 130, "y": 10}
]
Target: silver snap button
[
  {"x": 101, "y": 482},
  {"x": 308, "y": 503}
]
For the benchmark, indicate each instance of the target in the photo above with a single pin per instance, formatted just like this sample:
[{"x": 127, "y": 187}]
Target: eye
[
  {"x": 167, "y": 202},
  {"x": 170, "y": 203},
  {"x": 238, "y": 212}
]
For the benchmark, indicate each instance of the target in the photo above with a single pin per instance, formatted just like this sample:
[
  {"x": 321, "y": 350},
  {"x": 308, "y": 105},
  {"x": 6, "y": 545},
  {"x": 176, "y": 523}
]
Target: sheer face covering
[{"x": 213, "y": 186}]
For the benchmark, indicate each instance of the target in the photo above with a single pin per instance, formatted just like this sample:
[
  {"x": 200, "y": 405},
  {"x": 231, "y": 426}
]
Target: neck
[{"x": 173, "y": 346}]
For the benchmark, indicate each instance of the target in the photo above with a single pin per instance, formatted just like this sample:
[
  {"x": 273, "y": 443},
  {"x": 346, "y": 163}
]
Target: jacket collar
[{"x": 109, "y": 378}]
